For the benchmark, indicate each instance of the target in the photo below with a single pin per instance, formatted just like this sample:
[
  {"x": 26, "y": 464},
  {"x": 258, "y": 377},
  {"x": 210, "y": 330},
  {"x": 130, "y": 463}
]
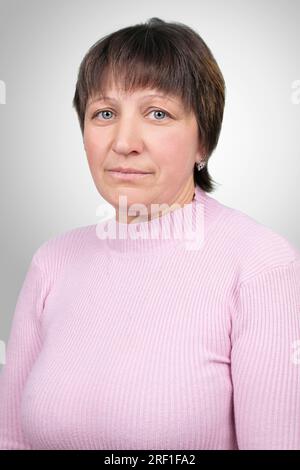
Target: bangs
[{"x": 139, "y": 61}]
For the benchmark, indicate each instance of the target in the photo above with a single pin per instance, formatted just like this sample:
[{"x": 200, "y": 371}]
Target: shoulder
[
  {"x": 64, "y": 247},
  {"x": 252, "y": 246}
]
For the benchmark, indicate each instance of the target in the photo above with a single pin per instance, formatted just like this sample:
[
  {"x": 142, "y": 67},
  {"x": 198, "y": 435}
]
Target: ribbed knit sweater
[{"x": 144, "y": 343}]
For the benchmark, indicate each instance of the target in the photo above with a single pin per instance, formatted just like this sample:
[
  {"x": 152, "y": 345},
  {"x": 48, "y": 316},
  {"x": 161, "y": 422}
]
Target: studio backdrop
[{"x": 46, "y": 186}]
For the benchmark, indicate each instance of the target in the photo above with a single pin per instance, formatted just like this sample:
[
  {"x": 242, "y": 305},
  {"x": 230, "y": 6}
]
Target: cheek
[
  {"x": 176, "y": 149},
  {"x": 94, "y": 146}
]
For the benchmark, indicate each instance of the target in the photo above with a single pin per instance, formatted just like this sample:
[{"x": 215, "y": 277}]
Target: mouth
[{"x": 127, "y": 175}]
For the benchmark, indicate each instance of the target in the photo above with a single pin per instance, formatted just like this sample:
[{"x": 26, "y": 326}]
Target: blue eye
[
  {"x": 159, "y": 111},
  {"x": 153, "y": 111},
  {"x": 105, "y": 111}
]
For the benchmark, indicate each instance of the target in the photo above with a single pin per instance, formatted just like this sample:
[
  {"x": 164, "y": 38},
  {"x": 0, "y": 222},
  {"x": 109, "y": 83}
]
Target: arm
[
  {"x": 264, "y": 366},
  {"x": 22, "y": 349}
]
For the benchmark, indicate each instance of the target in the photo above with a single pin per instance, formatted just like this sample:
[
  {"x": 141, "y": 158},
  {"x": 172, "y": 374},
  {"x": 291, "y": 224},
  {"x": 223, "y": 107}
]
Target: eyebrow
[{"x": 110, "y": 98}]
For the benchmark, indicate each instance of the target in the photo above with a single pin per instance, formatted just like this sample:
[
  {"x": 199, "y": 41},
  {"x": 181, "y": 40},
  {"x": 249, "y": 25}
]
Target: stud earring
[{"x": 200, "y": 165}]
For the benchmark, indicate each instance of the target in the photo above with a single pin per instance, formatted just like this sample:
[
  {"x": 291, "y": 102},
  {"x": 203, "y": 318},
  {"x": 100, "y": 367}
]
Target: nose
[{"x": 127, "y": 137}]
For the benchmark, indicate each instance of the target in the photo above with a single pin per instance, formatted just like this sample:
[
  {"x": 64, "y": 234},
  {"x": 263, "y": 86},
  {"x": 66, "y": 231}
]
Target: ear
[{"x": 200, "y": 154}]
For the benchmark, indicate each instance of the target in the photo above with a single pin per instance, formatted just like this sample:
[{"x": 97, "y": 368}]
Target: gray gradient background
[{"x": 46, "y": 187}]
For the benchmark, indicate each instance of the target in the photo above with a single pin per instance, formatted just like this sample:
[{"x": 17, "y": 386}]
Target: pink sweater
[{"x": 145, "y": 344}]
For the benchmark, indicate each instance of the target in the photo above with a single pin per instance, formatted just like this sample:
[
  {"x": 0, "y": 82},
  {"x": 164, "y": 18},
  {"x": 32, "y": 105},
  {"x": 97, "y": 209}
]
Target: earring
[{"x": 200, "y": 165}]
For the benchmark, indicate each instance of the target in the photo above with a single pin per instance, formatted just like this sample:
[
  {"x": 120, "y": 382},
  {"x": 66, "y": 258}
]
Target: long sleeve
[
  {"x": 140, "y": 343},
  {"x": 22, "y": 350},
  {"x": 265, "y": 371}
]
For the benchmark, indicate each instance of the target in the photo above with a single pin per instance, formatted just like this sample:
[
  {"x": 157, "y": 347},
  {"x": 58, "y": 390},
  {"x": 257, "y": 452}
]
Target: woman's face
[{"x": 147, "y": 133}]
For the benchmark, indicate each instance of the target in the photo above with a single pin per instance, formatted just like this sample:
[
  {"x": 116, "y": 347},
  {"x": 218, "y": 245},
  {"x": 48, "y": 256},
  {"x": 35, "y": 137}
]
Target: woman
[{"x": 145, "y": 341}]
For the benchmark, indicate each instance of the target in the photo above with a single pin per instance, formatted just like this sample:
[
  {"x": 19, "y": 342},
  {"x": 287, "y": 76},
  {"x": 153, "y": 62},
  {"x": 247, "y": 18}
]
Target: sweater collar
[{"x": 162, "y": 233}]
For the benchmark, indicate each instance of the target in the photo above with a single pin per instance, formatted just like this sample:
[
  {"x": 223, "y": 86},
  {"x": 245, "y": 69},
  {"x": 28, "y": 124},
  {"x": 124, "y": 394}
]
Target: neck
[
  {"x": 184, "y": 197},
  {"x": 158, "y": 235}
]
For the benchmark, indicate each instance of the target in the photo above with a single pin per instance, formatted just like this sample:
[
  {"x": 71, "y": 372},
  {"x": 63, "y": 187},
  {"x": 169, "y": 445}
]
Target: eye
[
  {"x": 109, "y": 111},
  {"x": 100, "y": 112},
  {"x": 160, "y": 111}
]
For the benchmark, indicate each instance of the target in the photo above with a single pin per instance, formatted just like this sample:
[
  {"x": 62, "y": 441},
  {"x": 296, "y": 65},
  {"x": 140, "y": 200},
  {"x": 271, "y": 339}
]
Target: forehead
[{"x": 115, "y": 94}]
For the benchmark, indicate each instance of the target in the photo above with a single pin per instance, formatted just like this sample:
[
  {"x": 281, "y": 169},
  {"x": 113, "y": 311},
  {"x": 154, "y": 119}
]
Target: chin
[{"x": 133, "y": 196}]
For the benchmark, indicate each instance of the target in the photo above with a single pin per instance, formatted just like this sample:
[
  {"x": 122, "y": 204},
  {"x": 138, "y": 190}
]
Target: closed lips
[{"x": 129, "y": 170}]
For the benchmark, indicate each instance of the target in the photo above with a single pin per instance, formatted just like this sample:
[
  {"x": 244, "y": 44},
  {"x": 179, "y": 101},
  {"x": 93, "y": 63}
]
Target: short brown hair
[{"x": 170, "y": 57}]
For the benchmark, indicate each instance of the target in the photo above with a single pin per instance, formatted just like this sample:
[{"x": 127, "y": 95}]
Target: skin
[{"x": 136, "y": 131}]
